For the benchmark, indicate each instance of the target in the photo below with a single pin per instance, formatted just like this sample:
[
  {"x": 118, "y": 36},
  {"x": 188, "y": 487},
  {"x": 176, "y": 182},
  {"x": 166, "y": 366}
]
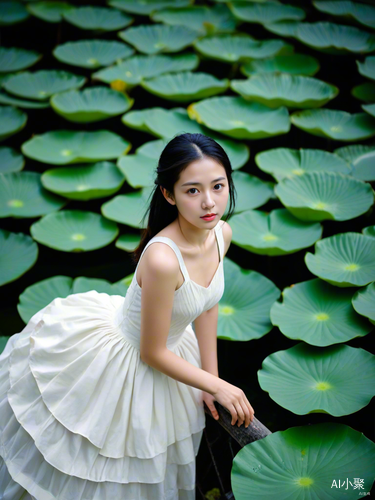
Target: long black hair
[{"x": 182, "y": 150}]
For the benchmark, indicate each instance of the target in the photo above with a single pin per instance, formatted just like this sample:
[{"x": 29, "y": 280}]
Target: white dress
[{"x": 82, "y": 417}]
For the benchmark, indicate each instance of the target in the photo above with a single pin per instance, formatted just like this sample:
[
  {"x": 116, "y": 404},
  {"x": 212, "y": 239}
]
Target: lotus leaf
[
  {"x": 318, "y": 313},
  {"x": 205, "y": 20},
  {"x": 139, "y": 170},
  {"x": 14, "y": 59},
  {"x": 18, "y": 254},
  {"x": 369, "y": 231},
  {"x": 283, "y": 28},
  {"x": 128, "y": 242},
  {"x": 364, "y": 14},
  {"x": 41, "y": 85},
  {"x": 298, "y": 64},
  {"x": 91, "y": 104},
  {"x": 344, "y": 260},
  {"x": 362, "y": 160},
  {"x": 10, "y": 160},
  {"x": 238, "y": 118},
  {"x": 317, "y": 196},
  {"x": 129, "y": 208},
  {"x": 21, "y": 103},
  {"x": 146, "y": 7},
  {"x": 266, "y": 13},
  {"x": 97, "y": 18},
  {"x": 84, "y": 182},
  {"x": 12, "y": 13},
  {"x": 287, "y": 162},
  {"x": 61, "y": 147},
  {"x": 294, "y": 91},
  {"x": 364, "y": 92},
  {"x": 369, "y": 108},
  {"x": 338, "y": 380},
  {"x": 50, "y": 11},
  {"x": 274, "y": 233},
  {"x": 252, "y": 192},
  {"x": 231, "y": 48},
  {"x": 185, "y": 86},
  {"x": 12, "y": 120},
  {"x": 74, "y": 231},
  {"x": 92, "y": 53},
  {"x": 133, "y": 70},
  {"x": 364, "y": 302},
  {"x": 156, "y": 38},
  {"x": 335, "y": 124},
  {"x": 367, "y": 68},
  {"x": 313, "y": 458}
]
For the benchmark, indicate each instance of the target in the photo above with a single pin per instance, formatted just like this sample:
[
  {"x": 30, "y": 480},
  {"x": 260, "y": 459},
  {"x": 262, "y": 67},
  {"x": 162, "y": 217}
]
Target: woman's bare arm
[{"x": 206, "y": 331}]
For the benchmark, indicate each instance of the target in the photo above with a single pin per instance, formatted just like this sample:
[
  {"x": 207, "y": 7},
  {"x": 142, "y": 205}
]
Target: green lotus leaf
[
  {"x": 128, "y": 208},
  {"x": 362, "y": 160},
  {"x": 21, "y": 103},
  {"x": 367, "y": 68},
  {"x": 38, "y": 295},
  {"x": 274, "y": 233},
  {"x": 50, "y": 11},
  {"x": 364, "y": 92},
  {"x": 10, "y": 160},
  {"x": 18, "y": 253},
  {"x": 364, "y": 301},
  {"x": 318, "y": 313},
  {"x": 61, "y": 147},
  {"x": 334, "y": 124},
  {"x": 139, "y": 170},
  {"x": 92, "y": 53},
  {"x": 146, "y": 7},
  {"x": 22, "y": 195},
  {"x": 252, "y": 192},
  {"x": 97, "y": 18},
  {"x": 156, "y": 38},
  {"x": 369, "y": 108},
  {"x": 295, "y": 64},
  {"x": 238, "y": 118},
  {"x": 74, "y": 231},
  {"x": 287, "y": 162},
  {"x": 364, "y": 14},
  {"x": 293, "y": 91},
  {"x": 133, "y": 70},
  {"x": 14, "y": 59},
  {"x": 90, "y": 105},
  {"x": 314, "y": 461},
  {"x": 317, "y": 196},
  {"x": 128, "y": 242},
  {"x": 12, "y": 120},
  {"x": 12, "y": 13},
  {"x": 238, "y": 48},
  {"x": 369, "y": 231},
  {"x": 283, "y": 28},
  {"x": 41, "y": 85},
  {"x": 244, "y": 309},
  {"x": 338, "y": 380},
  {"x": 203, "y": 19},
  {"x": 266, "y": 13},
  {"x": 185, "y": 86},
  {"x": 344, "y": 260},
  {"x": 84, "y": 182}
]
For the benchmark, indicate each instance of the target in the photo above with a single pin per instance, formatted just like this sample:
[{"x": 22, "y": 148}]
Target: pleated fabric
[{"x": 82, "y": 417}]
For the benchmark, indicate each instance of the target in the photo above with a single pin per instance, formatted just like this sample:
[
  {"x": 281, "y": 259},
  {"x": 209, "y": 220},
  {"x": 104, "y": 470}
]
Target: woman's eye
[{"x": 189, "y": 191}]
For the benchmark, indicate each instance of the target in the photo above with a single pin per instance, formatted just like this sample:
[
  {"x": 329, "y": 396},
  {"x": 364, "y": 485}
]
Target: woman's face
[{"x": 202, "y": 189}]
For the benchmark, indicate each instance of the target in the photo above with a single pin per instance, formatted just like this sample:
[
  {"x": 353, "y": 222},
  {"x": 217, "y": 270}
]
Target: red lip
[{"x": 207, "y": 215}]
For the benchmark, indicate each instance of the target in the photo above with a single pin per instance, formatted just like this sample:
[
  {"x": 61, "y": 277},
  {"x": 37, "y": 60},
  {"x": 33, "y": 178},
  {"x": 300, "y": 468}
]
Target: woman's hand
[
  {"x": 235, "y": 400},
  {"x": 209, "y": 400}
]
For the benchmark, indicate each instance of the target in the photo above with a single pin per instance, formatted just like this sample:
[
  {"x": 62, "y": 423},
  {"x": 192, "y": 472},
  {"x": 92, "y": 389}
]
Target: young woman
[{"x": 101, "y": 396}]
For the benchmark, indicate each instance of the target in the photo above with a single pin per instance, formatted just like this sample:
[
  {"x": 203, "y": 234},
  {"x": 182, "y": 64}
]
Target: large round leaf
[
  {"x": 369, "y": 108},
  {"x": 84, "y": 182},
  {"x": 12, "y": 13},
  {"x": 293, "y": 91},
  {"x": 50, "y": 11},
  {"x": 42, "y": 84},
  {"x": 274, "y": 233},
  {"x": 12, "y": 120},
  {"x": 367, "y": 68},
  {"x": 283, "y": 28},
  {"x": 185, "y": 86},
  {"x": 364, "y": 14},
  {"x": 317, "y": 196},
  {"x": 205, "y": 20},
  {"x": 295, "y": 64},
  {"x": 316, "y": 462},
  {"x": 22, "y": 195},
  {"x": 61, "y": 147},
  {"x": 364, "y": 91},
  {"x": 338, "y": 380},
  {"x": 92, "y": 53},
  {"x": 21, "y": 103},
  {"x": 362, "y": 159},
  {"x": 91, "y": 104},
  {"x": 146, "y": 7},
  {"x": 318, "y": 313},
  {"x": 129, "y": 208},
  {"x": 238, "y": 48},
  {"x": 364, "y": 302},
  {"x": 334, "y": 124},
  {"x": 74, "y": 231},
  {"x": 236, "y": 117},
  {"x": 344, "y": 259},
  {"x": 133, "y": 70},
  {"x": 156, "y": 38},
  {"x": 97, "y": 18},
  {"x": 14, "y": 59},
  {"x": 244, "y": 309},
  {"x": 10, "y": 160},
  {"x": 266, "y": 13},
  {"x": 18, "y": 253},
  {"x": 287, "y": 162}
]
